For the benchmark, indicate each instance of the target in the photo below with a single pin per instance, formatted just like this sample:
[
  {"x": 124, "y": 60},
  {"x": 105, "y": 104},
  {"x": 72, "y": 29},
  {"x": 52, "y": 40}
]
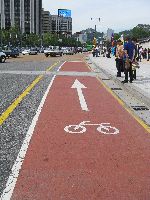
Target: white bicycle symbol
[{"x": 104, "y": 128}]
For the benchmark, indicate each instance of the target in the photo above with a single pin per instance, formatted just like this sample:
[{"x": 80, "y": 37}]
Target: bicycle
[{"x": 104, "y": 128}]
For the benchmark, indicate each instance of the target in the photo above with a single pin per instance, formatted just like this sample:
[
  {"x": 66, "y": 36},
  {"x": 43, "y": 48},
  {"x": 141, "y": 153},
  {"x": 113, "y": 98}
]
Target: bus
[{"x": 89, "y": 47}]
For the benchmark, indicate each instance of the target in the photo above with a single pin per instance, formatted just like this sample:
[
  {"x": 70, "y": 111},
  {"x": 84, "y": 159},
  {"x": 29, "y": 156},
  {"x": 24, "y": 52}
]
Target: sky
[{"x": 118, "y": 15}]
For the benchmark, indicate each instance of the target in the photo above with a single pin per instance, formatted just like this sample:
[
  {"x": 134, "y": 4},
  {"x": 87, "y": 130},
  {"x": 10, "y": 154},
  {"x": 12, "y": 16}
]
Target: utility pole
[{"x": 21, "y": 34}]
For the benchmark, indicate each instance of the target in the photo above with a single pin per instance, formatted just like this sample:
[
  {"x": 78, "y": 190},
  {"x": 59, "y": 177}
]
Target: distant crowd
[{"x": 128, "y": 54}]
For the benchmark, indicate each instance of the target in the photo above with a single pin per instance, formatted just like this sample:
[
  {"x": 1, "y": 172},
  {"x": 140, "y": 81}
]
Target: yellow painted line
[
  {"x": 11, "y": 108},
  {"x": 142, "y": 123}
]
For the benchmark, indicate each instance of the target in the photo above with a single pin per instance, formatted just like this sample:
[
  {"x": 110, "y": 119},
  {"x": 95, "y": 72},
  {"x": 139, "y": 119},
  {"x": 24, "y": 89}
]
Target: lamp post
[{"x": 99, "y": 19}]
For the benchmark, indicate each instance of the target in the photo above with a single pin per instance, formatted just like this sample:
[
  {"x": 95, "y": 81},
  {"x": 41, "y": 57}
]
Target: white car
[
  {"x": 26, "y": 51},
  {"x": 68, "y": 51},
  {"x": 2, "y": 57},
  {"x": 33, "y": 51}
]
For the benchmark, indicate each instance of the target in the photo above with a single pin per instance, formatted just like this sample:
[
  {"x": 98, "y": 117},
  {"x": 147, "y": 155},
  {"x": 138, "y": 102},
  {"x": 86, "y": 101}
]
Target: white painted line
[
  {"x": 77, "y": 85},
  {"x": 104, "y": 128},
  {"x": 10, "y": 185}
]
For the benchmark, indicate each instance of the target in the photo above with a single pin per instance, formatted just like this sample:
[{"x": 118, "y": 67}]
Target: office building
[
  {"x": 110, "y": 32},
  {"x": 61, "y": 25},
  {"x": 46, "y": 22},
  {"x": 26, "y": 14}
]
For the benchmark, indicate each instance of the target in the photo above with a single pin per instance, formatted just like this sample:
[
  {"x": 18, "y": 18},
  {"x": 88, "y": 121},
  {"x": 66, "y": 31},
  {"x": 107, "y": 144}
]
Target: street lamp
[{"x": 99, "y": 19}]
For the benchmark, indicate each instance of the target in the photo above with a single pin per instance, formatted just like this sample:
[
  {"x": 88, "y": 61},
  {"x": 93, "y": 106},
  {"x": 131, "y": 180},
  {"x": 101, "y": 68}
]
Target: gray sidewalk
[{"x": 141, "y": 84}]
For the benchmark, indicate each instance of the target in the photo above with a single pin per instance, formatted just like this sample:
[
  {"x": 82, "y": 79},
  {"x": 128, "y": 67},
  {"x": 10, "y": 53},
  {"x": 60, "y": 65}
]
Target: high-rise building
[
  {"x": 46, "y": 22},
  {"x": 62, "y": 25},
  {"x": 26, "y": 14},
  {"x": 110, "y": 32}
]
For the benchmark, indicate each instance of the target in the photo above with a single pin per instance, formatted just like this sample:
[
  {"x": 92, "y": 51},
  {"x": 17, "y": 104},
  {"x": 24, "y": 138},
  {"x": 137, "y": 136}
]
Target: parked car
[
  {"x": 41, "y": 50},
  {"x": 84, "y": 50},
  {"x": 7, "y": 52},
  {"x": 11, "y": 52},
  {"x": 2, "y": 57},
  {"x": 68, "y": 51},
  {"x": 26, "y": 51},
  {"x": 53, "y": 51},
  {"x": 14, "y": 53},
  {"x": 79, "y": 50},
  {"x": 33, "y": 51}
]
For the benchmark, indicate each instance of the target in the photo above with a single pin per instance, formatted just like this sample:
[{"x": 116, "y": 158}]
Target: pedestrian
[
  {"x": 104, "y": 50},
  {"x": 97, "y": 51},
  {"x": 108, "y": 53},
  {"x": 148, "y": 54},
  {"x": 135, "y": 63},
  {"x": 119, "y": 58},
  {"x": 140, "y": 53},
  {"x": 145, "y": 53},
  {"x": 129, "y": 48},
  {"x": 93, "y": 51},
  {"x": 113, "y": 49}
]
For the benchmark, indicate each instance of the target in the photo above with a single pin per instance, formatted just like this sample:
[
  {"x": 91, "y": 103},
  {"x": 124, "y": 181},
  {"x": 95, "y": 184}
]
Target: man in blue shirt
[{"x": 129, "y": 48}]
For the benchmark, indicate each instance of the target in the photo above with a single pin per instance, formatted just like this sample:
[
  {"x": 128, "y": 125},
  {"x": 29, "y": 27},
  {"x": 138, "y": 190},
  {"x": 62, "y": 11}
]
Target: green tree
[
  {"x": 116, "y": 36},
  {"x": 139, "y": 33}
]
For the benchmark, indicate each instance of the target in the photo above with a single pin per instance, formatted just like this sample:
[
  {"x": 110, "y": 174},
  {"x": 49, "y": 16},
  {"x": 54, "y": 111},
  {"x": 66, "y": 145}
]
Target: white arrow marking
[{"x": 77, "y": 85}]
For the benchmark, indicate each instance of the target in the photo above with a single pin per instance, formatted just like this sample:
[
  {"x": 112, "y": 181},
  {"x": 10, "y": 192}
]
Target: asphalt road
[{"x": 14, "y": 83}]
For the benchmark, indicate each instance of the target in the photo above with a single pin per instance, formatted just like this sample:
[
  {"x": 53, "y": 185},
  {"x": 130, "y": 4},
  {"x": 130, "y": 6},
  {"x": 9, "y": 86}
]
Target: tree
[{"x": 116, "y": 36}]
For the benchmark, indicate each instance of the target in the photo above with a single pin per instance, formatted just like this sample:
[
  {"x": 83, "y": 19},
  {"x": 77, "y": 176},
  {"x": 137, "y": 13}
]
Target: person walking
[{"x": 130, "y": 49}]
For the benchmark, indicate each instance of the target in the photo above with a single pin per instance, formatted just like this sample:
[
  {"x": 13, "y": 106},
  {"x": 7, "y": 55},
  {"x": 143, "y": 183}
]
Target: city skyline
[{"x": 119, "y": 15}]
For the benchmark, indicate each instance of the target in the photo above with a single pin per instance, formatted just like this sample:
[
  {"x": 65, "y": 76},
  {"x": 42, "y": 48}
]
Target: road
[{"x": 73, "y": 138}]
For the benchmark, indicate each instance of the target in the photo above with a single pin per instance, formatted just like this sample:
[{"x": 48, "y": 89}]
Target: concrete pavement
[{"x": 141, "y": 84}]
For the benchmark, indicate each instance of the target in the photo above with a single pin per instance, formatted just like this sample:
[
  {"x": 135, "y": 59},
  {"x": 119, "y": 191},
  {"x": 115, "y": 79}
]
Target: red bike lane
[{"x": 90, "y": 163}]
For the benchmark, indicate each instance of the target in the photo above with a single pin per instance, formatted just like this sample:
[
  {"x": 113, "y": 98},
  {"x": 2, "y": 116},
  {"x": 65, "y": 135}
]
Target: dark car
[
  {"x": 11, "y": 52},
  {"x": 14, "y": 53},
  {"x": 7, "y": 52},
  {"x": 79, "y": 50}
]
